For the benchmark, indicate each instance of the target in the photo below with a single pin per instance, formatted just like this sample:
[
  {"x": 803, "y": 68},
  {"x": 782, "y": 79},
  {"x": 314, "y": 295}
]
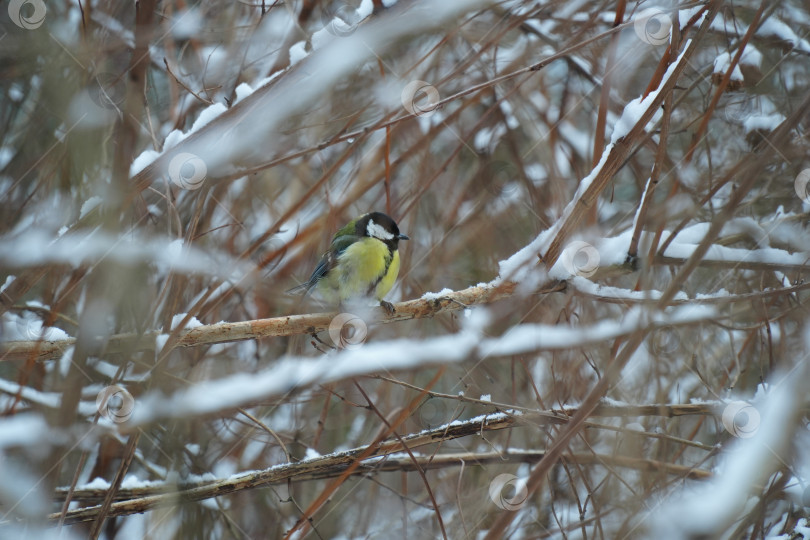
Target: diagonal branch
[{"x": 368, "y": 459}]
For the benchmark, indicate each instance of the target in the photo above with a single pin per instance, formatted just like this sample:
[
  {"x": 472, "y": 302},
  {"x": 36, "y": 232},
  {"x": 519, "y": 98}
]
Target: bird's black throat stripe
[{"x": 384, "y": 273}]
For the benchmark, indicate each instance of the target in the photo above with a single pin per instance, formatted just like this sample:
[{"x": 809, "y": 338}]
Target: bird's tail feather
[{"x": 303, "y": 289}]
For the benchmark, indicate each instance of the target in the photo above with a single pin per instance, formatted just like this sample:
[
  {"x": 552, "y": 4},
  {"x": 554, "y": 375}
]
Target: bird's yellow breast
[
  {"x": 365, "y": 269},
  {"x": 390, "y": 277}
]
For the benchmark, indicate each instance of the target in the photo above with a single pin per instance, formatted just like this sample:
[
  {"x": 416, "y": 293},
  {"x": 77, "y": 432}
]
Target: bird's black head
[{"x": 380, "y": 226}]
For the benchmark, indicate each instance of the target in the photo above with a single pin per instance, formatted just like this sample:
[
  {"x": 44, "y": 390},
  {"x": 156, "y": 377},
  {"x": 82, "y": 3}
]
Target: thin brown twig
[
  {"x": 617, "y": 363},
  {"x": 181, "y": 83},
  {"x": 303, "y": 521},
  {"x": 407, "y": 449},
  {"x": 136, "y": 500}
]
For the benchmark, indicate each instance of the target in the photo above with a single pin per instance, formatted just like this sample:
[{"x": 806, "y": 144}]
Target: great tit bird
[{"x": 362, "y": 262}]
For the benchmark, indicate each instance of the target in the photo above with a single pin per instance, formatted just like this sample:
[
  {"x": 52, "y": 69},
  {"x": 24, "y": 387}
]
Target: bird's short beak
[{"x": 403, "y": 237}]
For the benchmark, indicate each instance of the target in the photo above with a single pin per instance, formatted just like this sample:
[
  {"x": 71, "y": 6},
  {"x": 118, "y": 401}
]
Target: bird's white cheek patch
[{"x": 376, "y": 231}]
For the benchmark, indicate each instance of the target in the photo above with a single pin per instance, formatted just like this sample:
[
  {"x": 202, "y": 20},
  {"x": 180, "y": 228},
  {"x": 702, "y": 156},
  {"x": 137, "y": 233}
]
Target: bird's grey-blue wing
[{"x": 328, "y": 261}]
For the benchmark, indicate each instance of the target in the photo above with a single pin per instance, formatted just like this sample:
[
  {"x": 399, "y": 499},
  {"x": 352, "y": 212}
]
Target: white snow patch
[
  {"x": 723, "y": 62},
  {"x": 192, "y": 323},
  {"x": 142, "y": 161},
  {"x": 242, "y": 91},
  {"x": 174, "y": 138},
  {"x": 9, "y": 281},
  {"x": 298, "y": 52},
  {"x": 96, "y": 483},
  {"x": 187, "y": 24},
  {"x": 436, "y": 295},
  {"x": 6, "y": 153},
  {"x": 746, "y": 464},
  {"x": 160, "y": 342},
  {"x": 65, "y": 360},
  {"x": 634, "y": 110},
  {"x": 763, "y": 122},
  {"x": 751, "y": 56},
  {"x": 774, "y": 27},
  {"x": 89, "y": 205},
  {"x": 207, "y": 115}
]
